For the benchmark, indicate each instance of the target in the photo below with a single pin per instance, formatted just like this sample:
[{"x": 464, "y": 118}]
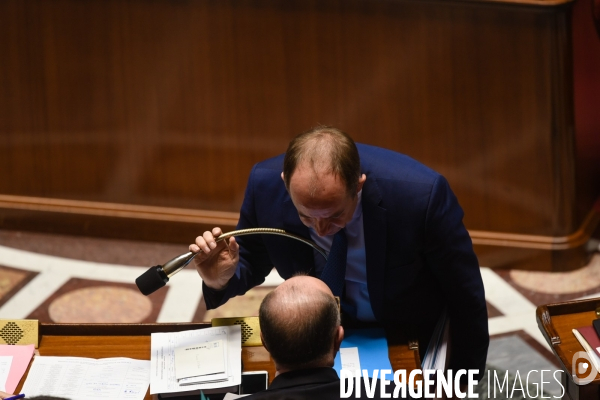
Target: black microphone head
[{"x": 152, "y": 280}]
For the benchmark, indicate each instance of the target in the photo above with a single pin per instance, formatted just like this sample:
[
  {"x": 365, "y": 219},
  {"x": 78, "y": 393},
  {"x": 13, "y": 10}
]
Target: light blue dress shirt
[{"x": 356, "y": 302}]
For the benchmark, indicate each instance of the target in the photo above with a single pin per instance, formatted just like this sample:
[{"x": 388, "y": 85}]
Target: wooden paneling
[
  {"x": 170, "y": 103},
  {"x": 586, "y": 85}
]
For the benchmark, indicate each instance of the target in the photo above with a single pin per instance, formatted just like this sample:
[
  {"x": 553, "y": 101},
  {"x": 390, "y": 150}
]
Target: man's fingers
[
  {"x": 206, "y": 242},
  {"x": 201, "y": 244},
  {"x": 234, "y": 247},
  {"x": 210, "y": 241}
]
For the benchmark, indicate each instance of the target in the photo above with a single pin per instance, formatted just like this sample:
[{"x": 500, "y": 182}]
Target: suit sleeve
[
  {"x": 254, "y": 264},
  {"x": 449, "y": 252}
]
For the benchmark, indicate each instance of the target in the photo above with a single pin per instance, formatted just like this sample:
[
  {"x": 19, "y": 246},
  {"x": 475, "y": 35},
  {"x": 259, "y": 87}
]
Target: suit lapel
[
  {"x": 302, "y": 254},
  {"x": 375, "y": 229}
]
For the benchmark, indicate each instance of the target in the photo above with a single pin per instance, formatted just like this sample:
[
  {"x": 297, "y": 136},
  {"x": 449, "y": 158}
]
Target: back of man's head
[
  {"x": 324, "y": 149},
  {"x": 300, "y": 324}
]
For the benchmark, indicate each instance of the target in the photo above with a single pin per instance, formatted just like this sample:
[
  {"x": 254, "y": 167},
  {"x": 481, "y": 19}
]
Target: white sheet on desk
[
  {"x": 162, "y": 359},
  {"x": 79, "y": 378},
  {"x": 201, "y": 359},
  {"x": 5, "y": 363},
  {"x": 231, "y": 396}
]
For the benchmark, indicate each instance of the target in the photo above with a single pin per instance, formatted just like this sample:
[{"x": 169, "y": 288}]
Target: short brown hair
[{"x": 325, "y": 144}]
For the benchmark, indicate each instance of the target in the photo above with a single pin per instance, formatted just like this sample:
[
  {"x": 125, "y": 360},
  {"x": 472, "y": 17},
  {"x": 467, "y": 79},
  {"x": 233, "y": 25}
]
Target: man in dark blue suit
[{"x": 409, "y": 256}]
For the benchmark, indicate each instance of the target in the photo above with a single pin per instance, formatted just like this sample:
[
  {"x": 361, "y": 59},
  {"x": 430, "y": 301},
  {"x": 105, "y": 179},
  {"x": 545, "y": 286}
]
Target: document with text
[
  {"x": 163, "y": 377},
  {"x": 5, "y": 363},
  {"x": 20, "y": 356},
  {"x": 201, "y": 363},
  {"x": 78, "y": 378}
]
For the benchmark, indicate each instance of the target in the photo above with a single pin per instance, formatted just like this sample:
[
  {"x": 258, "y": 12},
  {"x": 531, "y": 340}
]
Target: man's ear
[
  {"x": 361, "y": 182},
  {"x": 262, "y": 339},
  {"x": 282, "y": 178},
  {"x": 337, "y": 340}
]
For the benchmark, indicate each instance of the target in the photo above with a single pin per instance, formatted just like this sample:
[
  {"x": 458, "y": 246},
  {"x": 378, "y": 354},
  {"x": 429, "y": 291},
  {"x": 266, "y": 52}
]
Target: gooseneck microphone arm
[{"x": 158, "y": 276}]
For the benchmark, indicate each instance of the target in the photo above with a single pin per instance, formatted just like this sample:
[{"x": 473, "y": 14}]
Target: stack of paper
[
  {"x": 194, "y": 360},
  {"x": 5, "y": 363},
  {"x": 201, "y": 363},
  {"x": 14, "y": 360},
  {"x": 79, "y": 378},
  {"x": 435, "y": 355}
]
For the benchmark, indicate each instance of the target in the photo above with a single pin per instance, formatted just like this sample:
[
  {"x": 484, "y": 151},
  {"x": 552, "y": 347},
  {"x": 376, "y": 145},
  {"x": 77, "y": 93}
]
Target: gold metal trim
[
  {"x": 250, "y": 329},
  {"x": 19, "y": 331}
]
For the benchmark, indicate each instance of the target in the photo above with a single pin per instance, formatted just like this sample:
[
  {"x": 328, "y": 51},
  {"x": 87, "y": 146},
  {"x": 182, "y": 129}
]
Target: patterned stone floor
[{"x": 77, "y": 279}]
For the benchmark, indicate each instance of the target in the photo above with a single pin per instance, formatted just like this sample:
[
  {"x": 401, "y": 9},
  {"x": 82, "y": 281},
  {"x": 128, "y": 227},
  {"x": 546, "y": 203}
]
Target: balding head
[
  {"x": 321, "y": 171},
  {"x": 324, "y": 150},
  {"x": 300, "y": 324}
]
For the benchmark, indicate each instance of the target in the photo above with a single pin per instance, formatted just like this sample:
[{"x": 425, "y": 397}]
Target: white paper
[
  {"x": 80, "y": 378},
  {"x": 435, "y": 355},
  {"x": 214, "y": 378},
  {"x": 349, "y": 358},
  {"x": 5, "y": 363},
  {"x": 200, "y": 359},
  {"x": 231, "y": 396},
  {"x": 162, "y": 359}
]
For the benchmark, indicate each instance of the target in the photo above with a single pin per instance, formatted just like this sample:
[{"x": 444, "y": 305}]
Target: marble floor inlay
[
  {"x": 100, "y": 304},
  {"x": 11, "y": 280},
  {"x": 580, "y": 280}
]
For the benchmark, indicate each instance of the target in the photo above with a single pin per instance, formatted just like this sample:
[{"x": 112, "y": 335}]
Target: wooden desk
[
  {"x": 133, "y": 341},
  {"x": 556, "y": 322}
]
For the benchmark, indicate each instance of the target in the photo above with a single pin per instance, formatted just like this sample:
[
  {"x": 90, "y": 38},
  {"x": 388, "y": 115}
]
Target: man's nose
[{"x": 322, "y": 227}]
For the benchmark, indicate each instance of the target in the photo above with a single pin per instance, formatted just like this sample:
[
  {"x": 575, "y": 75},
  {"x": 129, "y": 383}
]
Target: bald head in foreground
[{"x": 300, "y": 327}]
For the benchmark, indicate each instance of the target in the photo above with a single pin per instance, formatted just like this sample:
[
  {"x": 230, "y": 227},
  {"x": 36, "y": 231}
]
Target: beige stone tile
[
  {"x": 580, "y": 280},
  {"x": 241, "y": 306},
  {"x": 100, "y": 304},
  {"x": 9, "y": 279}
]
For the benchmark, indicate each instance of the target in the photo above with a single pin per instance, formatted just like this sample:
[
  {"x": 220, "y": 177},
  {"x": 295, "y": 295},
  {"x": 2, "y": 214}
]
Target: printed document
[
  {"x": 5, "y": 363},
  {"x": 21, "y": 355},
  {"x": 163, "y": 377},
  {"x": 78, "y": 378},
  {"x": 350, "y": 359},
  {"x": 205, "y": 360}
]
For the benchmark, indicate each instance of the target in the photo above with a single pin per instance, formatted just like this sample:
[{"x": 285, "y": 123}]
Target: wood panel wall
[{"x": 169, "y": 104}]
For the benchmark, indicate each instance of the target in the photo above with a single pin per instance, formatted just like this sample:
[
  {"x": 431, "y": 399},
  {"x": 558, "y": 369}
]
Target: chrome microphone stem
[
  {"x": 178, "y": 263},
  {"x": 175, "y": 265}
]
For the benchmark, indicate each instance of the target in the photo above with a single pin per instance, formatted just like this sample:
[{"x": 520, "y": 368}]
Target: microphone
[{"x": 158, "y": 276}]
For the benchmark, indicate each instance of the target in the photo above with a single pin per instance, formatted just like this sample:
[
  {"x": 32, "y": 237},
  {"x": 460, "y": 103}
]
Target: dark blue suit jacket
[
  {"x": 317, "y": 383},
  {"x": 419, "y": 254}
]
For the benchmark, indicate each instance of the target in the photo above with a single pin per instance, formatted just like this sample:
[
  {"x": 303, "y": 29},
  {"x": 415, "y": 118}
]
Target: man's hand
[
  {"x": 215, "y": 262},
  {"x": 5, "y": 395}
]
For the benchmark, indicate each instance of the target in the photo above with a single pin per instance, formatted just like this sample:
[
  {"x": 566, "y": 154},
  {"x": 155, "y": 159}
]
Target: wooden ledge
[
  {"x": 207, "y": 218},
  {"x": 154, "y": 213},
  {"x": 576, "y": 239}
]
